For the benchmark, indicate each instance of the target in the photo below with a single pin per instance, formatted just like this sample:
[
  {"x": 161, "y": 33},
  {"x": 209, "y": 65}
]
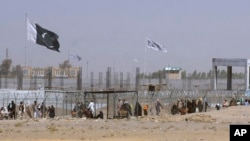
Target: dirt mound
[{"x": 201, "y": 118}]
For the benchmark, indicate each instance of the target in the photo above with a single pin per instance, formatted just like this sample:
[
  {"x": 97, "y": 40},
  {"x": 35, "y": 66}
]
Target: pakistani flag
[{"x": 42, "y": 36}]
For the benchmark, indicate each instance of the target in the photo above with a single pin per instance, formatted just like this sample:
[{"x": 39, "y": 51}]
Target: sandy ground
[{"x": 209, "y": 126}]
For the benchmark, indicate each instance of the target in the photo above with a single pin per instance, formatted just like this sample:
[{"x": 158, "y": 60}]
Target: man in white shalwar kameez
[{"x": 92, "y": 107}]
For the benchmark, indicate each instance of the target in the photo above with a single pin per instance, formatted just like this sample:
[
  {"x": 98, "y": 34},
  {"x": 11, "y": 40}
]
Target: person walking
[
  {"x": 12, "y": 110},
  {"x": 119, "y": 105},
  {"x": 21, "y": 110},
  {"x": 158, "y": 107},
  {"x": 35, "y": 110},
  {"x": 91, "y": 106}
]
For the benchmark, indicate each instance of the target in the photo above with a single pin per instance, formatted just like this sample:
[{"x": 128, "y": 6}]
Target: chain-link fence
[{"x": 64, "y": 101}]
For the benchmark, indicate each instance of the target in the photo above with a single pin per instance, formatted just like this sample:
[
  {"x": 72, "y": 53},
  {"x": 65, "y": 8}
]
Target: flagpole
[
  {"x": 87, "y": 72},
  {"x": 68, "y": 57},
  {"x": 25, "y": 48},
  {"x": 144, "y": 66},
  {"x": 68, "y": 64}
]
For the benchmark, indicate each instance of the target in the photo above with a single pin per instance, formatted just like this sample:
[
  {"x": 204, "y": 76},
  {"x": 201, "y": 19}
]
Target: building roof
[{"x": 171, "y": 68}]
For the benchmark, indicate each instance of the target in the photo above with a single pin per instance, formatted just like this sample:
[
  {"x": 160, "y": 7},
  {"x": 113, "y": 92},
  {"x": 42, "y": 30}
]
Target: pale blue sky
[{"x": 113, "y": 32}]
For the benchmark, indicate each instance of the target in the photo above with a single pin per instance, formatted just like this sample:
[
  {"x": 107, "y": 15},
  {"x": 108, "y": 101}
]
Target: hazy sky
[{"x": 112, "y": 33}]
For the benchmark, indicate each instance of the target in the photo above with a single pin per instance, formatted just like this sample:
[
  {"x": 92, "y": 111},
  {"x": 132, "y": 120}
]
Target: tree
[
  {"x": 223, "y": 74},
  {"x": 183, "y": 75},
  {"x": 13, "y": 72},
  {"x": 198, "y": 76},
  {"x": 194, "y": 75},
  {"x": 65, "y": 65},
  {"x": 209, "y": 74},
  {"x": 203, "y": 75},
  {"x": 5, "y": 67}
]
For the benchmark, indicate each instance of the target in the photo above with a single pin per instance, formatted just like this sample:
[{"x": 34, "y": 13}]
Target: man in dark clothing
[
  {"x": 158, "y": 107},
  {"x": 206, "y": 106},
  {"x": 138, "y": 109},
  {"x": 51, "y": 111},
  {"x": 100, "y": 115},
  {"x": 12, "y": 109},
  {"x": 43, "y": 110}
]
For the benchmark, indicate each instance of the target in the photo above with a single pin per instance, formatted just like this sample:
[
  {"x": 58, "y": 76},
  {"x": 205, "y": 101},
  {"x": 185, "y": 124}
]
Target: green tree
[
  {"x": 5, "y": 66},
  {"x": 194, "y": 75},
  {"x": 209, "y": 74},
  {"x": 183, "y": 75},
  {"x": 223, "y": 74},
  {"x": 203, "y": 75}
]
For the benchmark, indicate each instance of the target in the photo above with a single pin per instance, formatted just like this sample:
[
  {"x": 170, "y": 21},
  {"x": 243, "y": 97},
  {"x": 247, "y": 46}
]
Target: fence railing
[{"x": 64, "y": 101}]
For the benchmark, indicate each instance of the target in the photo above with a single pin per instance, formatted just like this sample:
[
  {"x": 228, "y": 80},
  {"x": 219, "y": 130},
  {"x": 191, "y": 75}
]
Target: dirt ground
[{"x": 209, "y": 126}]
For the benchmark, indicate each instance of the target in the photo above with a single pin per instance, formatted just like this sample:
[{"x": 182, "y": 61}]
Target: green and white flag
[{"x": 42, "y": 36}]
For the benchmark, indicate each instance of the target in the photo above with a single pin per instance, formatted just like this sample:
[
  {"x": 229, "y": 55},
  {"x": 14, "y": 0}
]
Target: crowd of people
[
  {"x": 240, "y": 101},
  {"x": 124, "y": 109},
  {"x": 233, "y": 102},
  {"x": 89, "y": 110},
  {"x": 138, "y": 109},
  {"x": 35, "y": 111},
  {"x": 9, "y": 111}
]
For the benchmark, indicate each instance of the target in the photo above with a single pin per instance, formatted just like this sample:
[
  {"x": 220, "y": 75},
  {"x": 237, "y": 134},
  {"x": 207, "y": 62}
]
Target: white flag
[
  {"x": 31, "y": 31},
  {"x": 155, "y": 46},
  {"x": 74, "y": 56}
]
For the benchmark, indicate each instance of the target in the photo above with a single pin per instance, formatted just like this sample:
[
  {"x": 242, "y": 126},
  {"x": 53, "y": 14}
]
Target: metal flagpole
[
  {"x": 68, "y": 65},
  {"x": 87, "y": 77},
  {"x": 144, "y": 66},
  {"x": 68, "y": 56},
  {"x": 25, "y": 48}
]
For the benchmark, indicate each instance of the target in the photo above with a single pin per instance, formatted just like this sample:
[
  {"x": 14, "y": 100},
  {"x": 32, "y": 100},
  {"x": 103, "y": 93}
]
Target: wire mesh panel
[
  {"x": 106, "y": 101},
  {"x": 110, "y": 106}
]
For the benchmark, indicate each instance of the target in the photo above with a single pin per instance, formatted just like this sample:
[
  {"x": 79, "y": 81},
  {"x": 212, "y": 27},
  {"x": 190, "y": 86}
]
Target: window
[
  {"x": 25, "y": 72},
  {"x": 72, "y": 72}
]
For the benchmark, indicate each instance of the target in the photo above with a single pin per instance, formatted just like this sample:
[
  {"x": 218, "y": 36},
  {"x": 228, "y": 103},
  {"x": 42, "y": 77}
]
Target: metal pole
[
  {"x": 66, "y": 104},
  {"x": 107, "y": 104},
  {"x": 137, "y": 103}
]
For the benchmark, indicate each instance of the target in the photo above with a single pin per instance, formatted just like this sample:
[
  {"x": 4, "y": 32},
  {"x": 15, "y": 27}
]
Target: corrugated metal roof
[{"x": 171, "y": 68}]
